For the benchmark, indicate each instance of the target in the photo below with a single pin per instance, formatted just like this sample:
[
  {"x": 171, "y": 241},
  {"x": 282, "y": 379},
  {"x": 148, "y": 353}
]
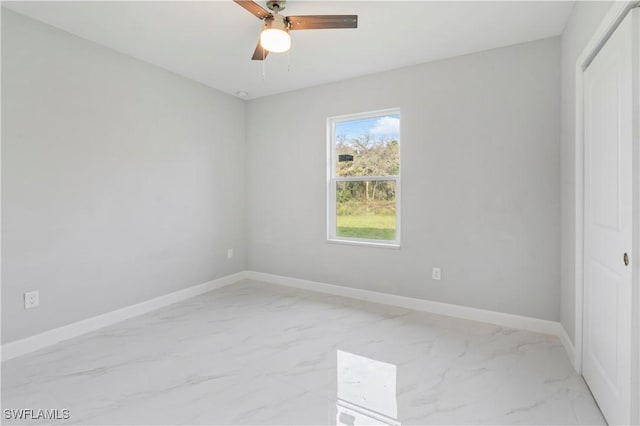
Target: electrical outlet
[
  {"x": 229, "y": 253},
  {"x": 31, "y": 299},
  {"x": 435, "y": 274}
]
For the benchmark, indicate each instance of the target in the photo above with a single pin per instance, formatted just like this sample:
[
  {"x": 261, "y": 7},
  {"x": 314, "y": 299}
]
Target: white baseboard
[
  {"x": 498, "y": 318},
  {"x": 33, "y": 343},
  {"x": 51, "y": 337},
  {"x": 568, "y": 346}
]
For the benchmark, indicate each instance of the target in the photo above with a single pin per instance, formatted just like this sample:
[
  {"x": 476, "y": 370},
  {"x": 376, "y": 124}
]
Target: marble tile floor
[{"x": 254, "y": 353}]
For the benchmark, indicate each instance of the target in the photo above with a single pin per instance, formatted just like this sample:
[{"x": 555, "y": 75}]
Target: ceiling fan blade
[
  {"x": 319, "y": 22},
  {"x": 254, "y": 8},
  {"x": 260, "y": 53}
]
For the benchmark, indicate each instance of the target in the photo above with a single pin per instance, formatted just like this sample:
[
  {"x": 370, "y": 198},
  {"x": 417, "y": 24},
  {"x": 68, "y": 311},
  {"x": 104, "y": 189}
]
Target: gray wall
[
  {"x": 480, "y": 181},
  {"x": 585, "y": 18},
  {"x": 120, "y": 181}
]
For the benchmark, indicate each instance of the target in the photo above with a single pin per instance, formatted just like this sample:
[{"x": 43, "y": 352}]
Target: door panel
[
  {"x": 605, "y": 298},
  {"x": 608, "y": 225},
  {"x": 605, "y": 144}
]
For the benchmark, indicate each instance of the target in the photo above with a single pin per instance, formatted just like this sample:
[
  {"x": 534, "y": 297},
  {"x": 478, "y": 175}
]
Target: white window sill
[{"x": 390, "y": 245}]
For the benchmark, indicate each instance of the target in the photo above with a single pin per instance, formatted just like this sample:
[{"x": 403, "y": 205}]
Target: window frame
[{"x": 332, "y": 181}]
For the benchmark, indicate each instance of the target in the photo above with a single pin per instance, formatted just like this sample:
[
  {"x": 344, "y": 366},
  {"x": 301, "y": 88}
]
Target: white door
[{"x": 608, "y": 120}]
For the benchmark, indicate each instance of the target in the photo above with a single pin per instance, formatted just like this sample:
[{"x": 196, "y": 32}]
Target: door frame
[{"x": 608, "y": 25}]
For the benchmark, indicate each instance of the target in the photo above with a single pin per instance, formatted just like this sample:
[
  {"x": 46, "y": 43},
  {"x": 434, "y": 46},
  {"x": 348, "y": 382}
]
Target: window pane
[
  {"x": 368, "y": 146},
  {"x": 366, "y": 209}
]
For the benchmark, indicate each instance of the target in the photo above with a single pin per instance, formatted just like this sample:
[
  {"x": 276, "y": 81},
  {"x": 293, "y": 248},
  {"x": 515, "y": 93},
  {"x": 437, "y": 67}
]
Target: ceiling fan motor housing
[{"x": 277, "y": 22}]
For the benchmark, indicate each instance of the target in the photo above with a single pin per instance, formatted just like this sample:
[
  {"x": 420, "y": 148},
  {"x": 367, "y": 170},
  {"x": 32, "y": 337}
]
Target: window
[{"x": 364, "y": 178}]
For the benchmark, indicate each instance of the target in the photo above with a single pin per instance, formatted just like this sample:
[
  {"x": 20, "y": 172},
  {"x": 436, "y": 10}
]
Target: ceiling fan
[{"x": 275, "y": 31}]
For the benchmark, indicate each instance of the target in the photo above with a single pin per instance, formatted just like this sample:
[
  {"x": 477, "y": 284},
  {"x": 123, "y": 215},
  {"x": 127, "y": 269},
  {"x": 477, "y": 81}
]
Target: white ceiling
[{"x": 212, "y": 41}]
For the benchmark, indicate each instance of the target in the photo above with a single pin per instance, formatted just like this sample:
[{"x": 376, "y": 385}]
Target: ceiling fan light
[
  {"x": 275, "y": 40},
  {"x": 275, "y": 37}
]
